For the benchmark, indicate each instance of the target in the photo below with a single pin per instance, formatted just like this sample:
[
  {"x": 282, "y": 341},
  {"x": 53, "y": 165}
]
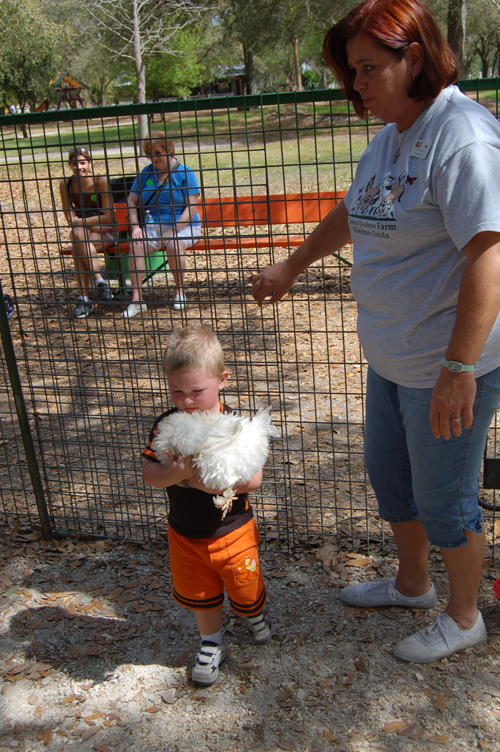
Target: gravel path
[{"x": 95, "y": 655}]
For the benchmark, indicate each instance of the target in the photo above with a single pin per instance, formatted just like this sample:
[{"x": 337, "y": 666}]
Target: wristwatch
[{"x": 456, "y": 367}]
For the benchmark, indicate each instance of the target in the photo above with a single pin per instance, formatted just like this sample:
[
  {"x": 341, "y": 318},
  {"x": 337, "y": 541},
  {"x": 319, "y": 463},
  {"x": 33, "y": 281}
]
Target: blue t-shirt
[{"x": 184, "y": 183}]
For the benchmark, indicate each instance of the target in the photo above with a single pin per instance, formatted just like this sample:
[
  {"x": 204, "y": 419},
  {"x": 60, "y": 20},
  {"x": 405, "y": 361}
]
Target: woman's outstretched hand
[{"x": 275, "y": 281}]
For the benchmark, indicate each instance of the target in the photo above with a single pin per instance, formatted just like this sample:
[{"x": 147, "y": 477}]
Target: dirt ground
[{"x": 95, "y": 655}]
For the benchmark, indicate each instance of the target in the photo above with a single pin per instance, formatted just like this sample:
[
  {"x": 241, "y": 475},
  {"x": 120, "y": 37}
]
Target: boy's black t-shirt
[{"x": 192, "y": 512}]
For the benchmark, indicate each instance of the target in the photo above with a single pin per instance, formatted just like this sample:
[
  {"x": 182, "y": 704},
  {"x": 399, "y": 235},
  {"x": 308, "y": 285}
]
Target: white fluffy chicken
[{"x": 227, "y": 449}]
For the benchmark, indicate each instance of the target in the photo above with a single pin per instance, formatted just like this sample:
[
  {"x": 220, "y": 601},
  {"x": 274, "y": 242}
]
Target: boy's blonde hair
[{"x": 192, "y": 348}]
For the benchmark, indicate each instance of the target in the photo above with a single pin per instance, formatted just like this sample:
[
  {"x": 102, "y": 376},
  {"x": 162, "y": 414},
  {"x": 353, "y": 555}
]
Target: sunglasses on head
[{"x": 78, "y": 150}]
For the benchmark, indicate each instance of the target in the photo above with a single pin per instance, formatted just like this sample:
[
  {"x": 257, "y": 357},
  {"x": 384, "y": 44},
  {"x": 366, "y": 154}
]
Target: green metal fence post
[{"x": 22, "y": 415}]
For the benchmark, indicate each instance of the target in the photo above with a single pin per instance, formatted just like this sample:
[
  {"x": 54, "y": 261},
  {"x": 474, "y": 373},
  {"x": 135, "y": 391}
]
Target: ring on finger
[{"x": 456, "y": 420}]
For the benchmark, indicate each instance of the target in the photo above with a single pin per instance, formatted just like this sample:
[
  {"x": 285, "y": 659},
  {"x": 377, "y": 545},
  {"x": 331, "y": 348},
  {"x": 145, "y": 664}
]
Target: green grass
[{"x": 276, "y": 122}]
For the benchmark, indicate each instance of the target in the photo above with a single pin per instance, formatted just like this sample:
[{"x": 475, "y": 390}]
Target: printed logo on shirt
[{"x": 377, "y": 201}]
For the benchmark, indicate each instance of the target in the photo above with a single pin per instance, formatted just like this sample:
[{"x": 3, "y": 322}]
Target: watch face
[{"x": 455, "y": 366}]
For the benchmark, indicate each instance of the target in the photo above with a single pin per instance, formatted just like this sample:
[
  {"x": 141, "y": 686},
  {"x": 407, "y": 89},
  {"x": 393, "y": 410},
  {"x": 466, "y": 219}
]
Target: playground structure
[{"x": 69, "y": 91}]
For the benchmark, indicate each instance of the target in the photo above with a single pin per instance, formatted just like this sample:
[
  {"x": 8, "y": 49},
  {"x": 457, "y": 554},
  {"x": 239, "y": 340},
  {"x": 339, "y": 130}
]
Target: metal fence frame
[{"x": 69, "y": 399}]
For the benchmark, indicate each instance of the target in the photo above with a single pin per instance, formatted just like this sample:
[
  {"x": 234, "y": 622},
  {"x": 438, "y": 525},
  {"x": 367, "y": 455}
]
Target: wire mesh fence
[{"x": 91, "y": 388}]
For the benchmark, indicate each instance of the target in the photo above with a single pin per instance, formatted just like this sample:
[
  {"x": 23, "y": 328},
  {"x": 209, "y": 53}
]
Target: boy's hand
[{"x": 183, "y": 465}]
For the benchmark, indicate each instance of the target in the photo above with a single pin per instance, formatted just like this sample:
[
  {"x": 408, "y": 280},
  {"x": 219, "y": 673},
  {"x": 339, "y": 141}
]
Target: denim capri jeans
[{"x": 418, "y": 477}]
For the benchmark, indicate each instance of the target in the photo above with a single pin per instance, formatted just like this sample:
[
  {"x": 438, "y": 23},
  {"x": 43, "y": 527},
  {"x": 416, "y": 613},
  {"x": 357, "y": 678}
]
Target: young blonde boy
[{"x": 207, "y": 553}]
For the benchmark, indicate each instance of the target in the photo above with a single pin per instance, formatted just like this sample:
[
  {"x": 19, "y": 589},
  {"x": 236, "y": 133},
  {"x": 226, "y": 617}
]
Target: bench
[{"x": 226, "y": 212}]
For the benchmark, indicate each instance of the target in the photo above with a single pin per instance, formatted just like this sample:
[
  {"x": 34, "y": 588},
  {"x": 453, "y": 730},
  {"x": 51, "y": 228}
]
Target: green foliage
[
  {"x": 28, "y": 51},
  {"x": 174, "y": 74}
]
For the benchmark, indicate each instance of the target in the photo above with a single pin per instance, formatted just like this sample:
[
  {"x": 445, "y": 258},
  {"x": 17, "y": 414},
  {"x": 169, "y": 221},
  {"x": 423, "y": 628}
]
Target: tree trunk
[
  {"x": 250, "y": 76},
  {"x": 457, "y": 16},
  {"x": 140, "y": 73},
  {"x": 296, "y": 60}
]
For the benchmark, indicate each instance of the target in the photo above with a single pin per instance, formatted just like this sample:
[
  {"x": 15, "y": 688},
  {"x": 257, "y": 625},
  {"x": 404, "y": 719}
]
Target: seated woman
[
  {"x": 86, "y": 205},
  {"x": 170, "y": 191}
]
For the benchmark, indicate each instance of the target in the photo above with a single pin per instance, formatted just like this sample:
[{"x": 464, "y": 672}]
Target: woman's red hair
[{"x": 394, "y": 25}]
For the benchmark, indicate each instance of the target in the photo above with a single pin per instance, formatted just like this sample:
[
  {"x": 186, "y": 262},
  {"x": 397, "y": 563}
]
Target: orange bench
[{"x": 263, "y": 211}]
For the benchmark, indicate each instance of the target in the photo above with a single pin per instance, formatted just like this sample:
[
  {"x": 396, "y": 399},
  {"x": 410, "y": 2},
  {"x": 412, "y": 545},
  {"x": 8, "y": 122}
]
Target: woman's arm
[
  {"x": 186, "y": 217},
  {"x": 67, "y": 209},
  {"x": 133, "y": 217},
  {"x": 328, "y": 237},
  {"x": 102, "y": 191},
  {"x": 477, "y": 309}
]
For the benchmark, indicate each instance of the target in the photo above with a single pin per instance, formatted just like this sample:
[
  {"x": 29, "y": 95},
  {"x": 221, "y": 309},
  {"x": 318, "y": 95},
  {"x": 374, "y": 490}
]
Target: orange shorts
[{"x": 203, "y": 567}]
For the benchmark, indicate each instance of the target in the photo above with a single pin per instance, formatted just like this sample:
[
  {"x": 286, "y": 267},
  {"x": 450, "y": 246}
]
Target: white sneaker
[
  {"x": 134, "y": 309},
  {"x": 206, "y": 667},
  {"x": 260, "y": 628},
  {"x": 383, "y": 593},
  {"x": 179, "y": 301},
  {"x": 442, "y": 638}
]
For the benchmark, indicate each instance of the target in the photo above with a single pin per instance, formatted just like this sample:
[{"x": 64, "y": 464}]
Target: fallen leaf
[
  {"x": 350, "y": 613},
  {"x": 361, "y": 666},
  {"x": 406, "y": 730},
  {"x": 47, "y": 736},
  {"x": 181, "y": 659},
  {"x": 441, "y": 703},
  {"x": 62, "y": 732},
  {"x": 89, "y": 732},
  {"x": 93, "y": 717},
  {"x": 168, "y": 697},
  {"x": 328, "y": 736},
  {"x": 285, "y": 744},
  {"x": 152, "y": 710},
  {"x": 327, "y": 555},
  {"x": 497, "y": 529},
  {"x": 70, "y": 698},
  {"x": 359, "y": 561},
  {"x": 394, "y": 726},
  {"x": 102, "y": 748},
  {"x": 156, "y": 648},
  {"x": 439, "y": 739},
  {"x": 428, "y": 693}
]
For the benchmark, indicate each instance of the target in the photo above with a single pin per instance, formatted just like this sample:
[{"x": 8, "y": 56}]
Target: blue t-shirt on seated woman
[{"x": 183, "y": 182}]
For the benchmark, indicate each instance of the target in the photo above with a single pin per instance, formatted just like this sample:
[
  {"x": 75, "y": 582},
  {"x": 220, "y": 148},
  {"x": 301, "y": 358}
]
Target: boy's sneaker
[
  {"x": 83, "y": 308},
  {"x": 383, "y": 593},
  {"x": 440, "y": 639},
  {"x": 206, "y": 666},
  {"x": 103, "y": 292},
  {"x": 260, "y": 628}
]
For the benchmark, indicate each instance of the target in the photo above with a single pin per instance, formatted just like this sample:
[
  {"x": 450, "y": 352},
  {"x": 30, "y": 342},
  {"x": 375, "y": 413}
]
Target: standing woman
[
  {"x": 86, "y": 206},
  {"x": 171, "y": 192},
  {"x": 426, "y": 277}
]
